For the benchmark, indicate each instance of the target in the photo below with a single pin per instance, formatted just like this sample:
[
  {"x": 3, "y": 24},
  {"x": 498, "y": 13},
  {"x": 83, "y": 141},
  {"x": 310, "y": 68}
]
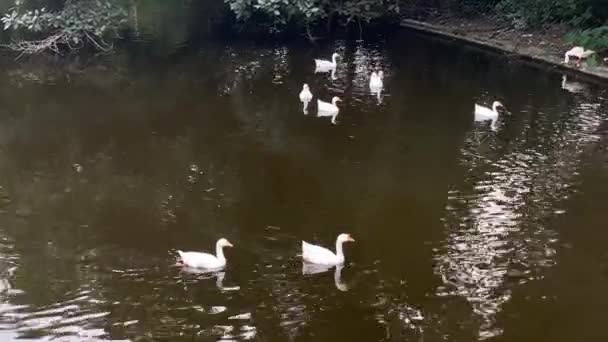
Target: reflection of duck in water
[
  {"x": 310, "y": 269},
  {"x": 573, "y": 87},
  {"x": 205, "y": 274}
]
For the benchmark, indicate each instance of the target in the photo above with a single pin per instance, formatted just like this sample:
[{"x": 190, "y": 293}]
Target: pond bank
[{"x": 546, "y": 47}]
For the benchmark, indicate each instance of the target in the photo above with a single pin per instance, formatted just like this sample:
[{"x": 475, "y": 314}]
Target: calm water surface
[{"x": 463, "y": 233}]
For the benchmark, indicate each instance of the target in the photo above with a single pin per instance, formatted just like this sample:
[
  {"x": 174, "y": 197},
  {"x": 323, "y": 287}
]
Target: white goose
[
  {"x": 323, "y": 256},
  {"x": 486, "y": 114},
  {"x": 305, "y": 97},
  {"x": 376, "y": 83},
  {"x": 322, "y": 64},
  {"x": 206, "y": 260},
  {"x": 578, "y": 52},
  {"x": 328, "y": 109}
]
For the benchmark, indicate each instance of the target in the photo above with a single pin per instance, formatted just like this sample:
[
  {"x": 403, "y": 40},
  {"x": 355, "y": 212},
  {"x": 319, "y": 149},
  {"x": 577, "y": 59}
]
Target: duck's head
[
  {"x": 305, "y": 86},
  {"x": 345, "y": 238},
  {"x": 381, "y": 74},
  {"x": 335, "y": 55},
  {"x": 224, "y": 243},
  {"x": 497, "y": 104},
  {"x": 335, "y": 100}
]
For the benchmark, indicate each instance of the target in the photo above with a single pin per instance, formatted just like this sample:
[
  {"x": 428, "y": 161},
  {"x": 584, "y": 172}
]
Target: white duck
[
  {"x": 328, "y": 109},
  {"x": 305, "y": 97},
  {"x": 376, "y": 83},
  {"x": 322, "y": 64},
  {"x": 486, "y": 114},
  {"x": 206, "y": 260},
  {"x": 578, "y": 52},
  {"x": 323, "y": 256}
]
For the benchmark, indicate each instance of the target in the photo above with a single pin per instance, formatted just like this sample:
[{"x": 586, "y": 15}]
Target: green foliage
[
  {"x": 79, "y": 22},
  {"x": 538, "y": 12},
  {"x": 594, "y": 39},
  {"x": 279, "y": 13}
]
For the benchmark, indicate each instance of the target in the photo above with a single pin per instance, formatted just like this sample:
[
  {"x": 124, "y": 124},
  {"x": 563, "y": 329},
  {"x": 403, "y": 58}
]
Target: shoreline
[{"x": 542, "y": 49}]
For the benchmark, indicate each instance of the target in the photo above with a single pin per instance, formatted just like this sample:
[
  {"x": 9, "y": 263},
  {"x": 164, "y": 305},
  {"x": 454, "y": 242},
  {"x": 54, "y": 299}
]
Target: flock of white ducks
[
  {"x": 317, "y": 256},
  {"x": 331, "y": 109},
  {"x": 312, "y": 254}
]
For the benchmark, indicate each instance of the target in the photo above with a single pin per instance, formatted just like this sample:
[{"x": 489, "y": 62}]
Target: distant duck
[
  {"x": 305, "y": 97},
  {"x": 376, "y": 81},
  {"x": 206, "y": 260},
  {"x": 328, "y": 109},
  {"x": 323, "y": 256},
  {"x": 322, "y": 64},
  {"x": 486, "y": 114},
  {"x": 573, "y": 87},
  {"x": 578, "y": 52}
]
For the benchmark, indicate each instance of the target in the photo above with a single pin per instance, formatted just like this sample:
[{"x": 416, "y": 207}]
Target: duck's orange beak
[{"x": 350, "y": 239}]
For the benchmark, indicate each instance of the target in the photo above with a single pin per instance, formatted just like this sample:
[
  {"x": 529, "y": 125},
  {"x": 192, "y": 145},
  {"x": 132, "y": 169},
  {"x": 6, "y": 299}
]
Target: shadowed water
[{"x": 463, "y": 233}]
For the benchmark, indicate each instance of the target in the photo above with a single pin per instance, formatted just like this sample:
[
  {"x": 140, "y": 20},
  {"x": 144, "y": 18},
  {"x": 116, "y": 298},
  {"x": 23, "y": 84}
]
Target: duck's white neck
[
  {"x": 334, "y": 101},
  {"x": 495, "y": 108},
  {"x": 219, "y": 252},
  {"x": 333, "y": 59},
  {"x": 339, "y": 251}
]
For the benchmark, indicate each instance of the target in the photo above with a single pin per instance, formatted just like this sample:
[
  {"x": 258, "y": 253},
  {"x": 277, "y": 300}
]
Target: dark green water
[{"x": 463, "y": 233}]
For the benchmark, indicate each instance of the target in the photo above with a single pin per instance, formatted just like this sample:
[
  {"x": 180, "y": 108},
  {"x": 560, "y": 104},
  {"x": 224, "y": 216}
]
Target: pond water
[{"x": 463, "y": 233}]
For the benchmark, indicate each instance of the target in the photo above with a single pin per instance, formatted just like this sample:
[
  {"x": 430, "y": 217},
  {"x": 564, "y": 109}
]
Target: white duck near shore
[
  {"x": 328, "y": 109},
  {"x": 578, "y": 52},
  {"x": 205, "y": 260},
  {"x": 305, "y": 97},
  {"x": 322, "y": 256}
]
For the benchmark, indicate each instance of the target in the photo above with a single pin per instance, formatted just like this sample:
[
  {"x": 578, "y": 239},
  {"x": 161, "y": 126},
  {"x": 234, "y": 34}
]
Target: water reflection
[
  {"x": 497, "y": 218},
  {"x": 129, "y": 161},
  {"x": 573, "y": 86},
  {"x": 310, "y": 269}
]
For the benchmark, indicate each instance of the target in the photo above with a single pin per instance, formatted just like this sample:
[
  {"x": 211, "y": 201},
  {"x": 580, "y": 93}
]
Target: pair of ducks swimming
[
  {"x": 310, "y": 253},
  {"x": 331, "y": 109}
]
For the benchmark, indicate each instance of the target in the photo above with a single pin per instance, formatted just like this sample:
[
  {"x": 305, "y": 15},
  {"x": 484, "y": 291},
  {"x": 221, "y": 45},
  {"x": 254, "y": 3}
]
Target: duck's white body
[
  {"x": 305, "y": 94},
  {"x": 486, "y": 114},
  {"x": 205, "y": 260},
  {"x": 305, "y": 98},
  {"x": 323, "y": 256},
  {"x": 577, "y": 52},
  {"x": 376, "y": 82},
  {"x": 329, "y": 109},
  {"x": 322, "y": 64}
]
